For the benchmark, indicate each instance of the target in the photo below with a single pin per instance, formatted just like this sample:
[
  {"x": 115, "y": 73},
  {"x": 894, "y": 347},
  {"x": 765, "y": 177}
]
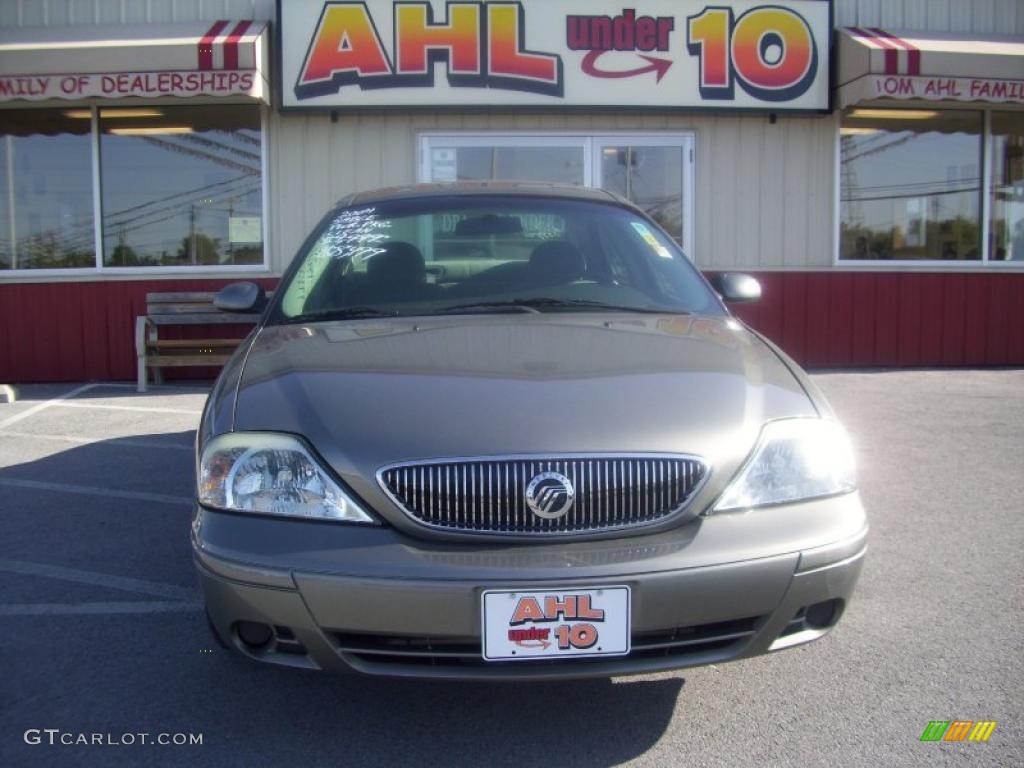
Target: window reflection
[
  {"x": 181, "y": 186},
  {"x": 1007, "y": 186},
  {"x": 562, "y": 165},
  {"x": 910, "y": 182},
  {"x": 46, "y": 219},
  {"x": 650, "y": 177}
]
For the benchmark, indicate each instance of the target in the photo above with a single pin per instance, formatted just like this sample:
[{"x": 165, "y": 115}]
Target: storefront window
[
  {"x": 46, "y": 218},
  {"x": 1007, "y": 226},
  {"x": 910, "y": 185},
  {"x": 181, "y": 186}
]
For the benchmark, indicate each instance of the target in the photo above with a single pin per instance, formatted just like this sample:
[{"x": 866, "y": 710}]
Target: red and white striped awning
[
  {"x": 877, "y": 64},
  {"x": 223, "y": 58}
]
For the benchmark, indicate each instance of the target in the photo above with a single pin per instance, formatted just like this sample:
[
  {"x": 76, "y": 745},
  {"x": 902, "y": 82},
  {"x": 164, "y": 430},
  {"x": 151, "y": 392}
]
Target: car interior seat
[
  {"x": 556, "y": 262},
  {"x": 397, "y": 274}
]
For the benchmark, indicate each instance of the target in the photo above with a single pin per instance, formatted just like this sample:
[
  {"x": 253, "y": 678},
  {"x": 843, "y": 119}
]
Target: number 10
[{"x": 769, "y": 51}]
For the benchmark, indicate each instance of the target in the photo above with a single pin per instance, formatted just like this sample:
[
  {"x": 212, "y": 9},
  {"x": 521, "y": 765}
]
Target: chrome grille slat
[
  {"x": 588, "y": 483},
  {"x": 489, "y": 495}
]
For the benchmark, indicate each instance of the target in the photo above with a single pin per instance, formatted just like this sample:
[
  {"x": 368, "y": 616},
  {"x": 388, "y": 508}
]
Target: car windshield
[{"x": 467, "y": 255}]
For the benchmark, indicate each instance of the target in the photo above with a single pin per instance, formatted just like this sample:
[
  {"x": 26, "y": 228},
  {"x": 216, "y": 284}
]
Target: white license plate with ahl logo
[{"x": 574, "y": 623}]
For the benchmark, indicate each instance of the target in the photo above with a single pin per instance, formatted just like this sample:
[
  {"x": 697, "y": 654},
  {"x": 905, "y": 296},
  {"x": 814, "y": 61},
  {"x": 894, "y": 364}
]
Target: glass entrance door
[{"x": 653, "y": 173}]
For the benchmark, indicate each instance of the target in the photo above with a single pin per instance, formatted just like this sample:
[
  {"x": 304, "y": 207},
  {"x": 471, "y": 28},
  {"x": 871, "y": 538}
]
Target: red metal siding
[
  {"x": 85, "y": 331},
  {"x": 892, "y": 319}
]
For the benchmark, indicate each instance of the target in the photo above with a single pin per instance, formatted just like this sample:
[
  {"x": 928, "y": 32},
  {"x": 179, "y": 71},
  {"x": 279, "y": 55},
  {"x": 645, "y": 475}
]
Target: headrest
[
  {"x": 398, "y": 261},
  {"x": 558, "y": 260}
]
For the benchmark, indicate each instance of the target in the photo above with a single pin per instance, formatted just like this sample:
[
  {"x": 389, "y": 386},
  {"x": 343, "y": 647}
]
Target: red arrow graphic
[
  {"x": 533, "y": 643},
  {"x": 654, "y": 64}
]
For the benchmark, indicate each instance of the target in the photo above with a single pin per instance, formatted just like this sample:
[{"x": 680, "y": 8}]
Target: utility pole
[
  {"x": 192, "y": 230},
  {"x": 231, "y": 243},
  {"x": 848, "y": 187},
  {"x": 9, "y": 153}
]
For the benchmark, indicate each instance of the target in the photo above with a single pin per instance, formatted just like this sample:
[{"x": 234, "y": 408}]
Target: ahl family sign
[{"x": 575, "y": 53}]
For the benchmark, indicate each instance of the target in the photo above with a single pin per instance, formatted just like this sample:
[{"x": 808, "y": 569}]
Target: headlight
[
  {"x": 272, "y": 474},
  {"x": 795, "y": 459}
]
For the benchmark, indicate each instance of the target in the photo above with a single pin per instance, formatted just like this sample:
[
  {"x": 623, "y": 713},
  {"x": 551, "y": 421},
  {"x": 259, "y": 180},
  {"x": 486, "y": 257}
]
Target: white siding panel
[
  {"x": 33, "y": 14},
  {"x": 963, "y": 16},
  {"x": 398, "y": 158},
  {"x": 134, "y": 13},
  {"x": 1010, "y": 16},
  {"x": 844, "y": 14},
  {"x": 983, "y": 15},
  {"x": 749, "y": 184},
  {"x": 194, "y": 9},
  {"x": 818, "y": 195},
  {"x": 794, "y": 191},
  {"x": 246, "y": 9},
  {"x": 764, "y": 192},
  {"x": 316, "y": 173},
  {"x": 341, "y": 159},
  {"x": 771, "y": 229},
  {"x": 65, "y": 12},
  {"x": 58, "y": 12},
  {"x": 870, "y": 9},
  {"x": 9, "y": 14},
  {"x": 892, "y": 15},
  {"x": 81, "y": 11},
  {"x": 915, "y": 13},
  {"x": 163, "y": 12},
  {"x": 369, "y": 147},
  {"x": 977, "y": 16},
  {"x": 717, "y": 236},
  {"x": 980, "y": 16},
  {"x": 937, "y": 17},
  {"x": 288, "y": 198}
]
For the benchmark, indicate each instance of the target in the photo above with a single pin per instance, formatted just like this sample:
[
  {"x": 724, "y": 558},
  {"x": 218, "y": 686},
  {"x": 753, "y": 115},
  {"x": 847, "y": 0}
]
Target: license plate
[{"x": 573, "y": 623}]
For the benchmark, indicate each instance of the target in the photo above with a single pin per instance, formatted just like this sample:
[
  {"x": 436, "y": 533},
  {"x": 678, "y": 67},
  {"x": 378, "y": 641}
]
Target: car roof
[{"x": 483, "y": 189}]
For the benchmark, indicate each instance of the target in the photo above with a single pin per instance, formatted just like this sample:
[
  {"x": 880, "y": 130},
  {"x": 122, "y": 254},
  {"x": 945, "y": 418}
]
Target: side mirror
[
  {"x": 736, "y": 287},
  {"x": 240, "y": 297}
]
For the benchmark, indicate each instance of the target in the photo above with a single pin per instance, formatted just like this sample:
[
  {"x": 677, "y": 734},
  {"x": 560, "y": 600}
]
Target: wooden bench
[{"x": 192, "y": 308}]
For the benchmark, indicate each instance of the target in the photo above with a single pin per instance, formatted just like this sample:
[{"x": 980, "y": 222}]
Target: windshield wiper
[
  {"x": 540, "y": 303},
  {"x": 601, "y": 305},
  {"x": 488, "y": 306},
  {"x": 341, "y": 313}
]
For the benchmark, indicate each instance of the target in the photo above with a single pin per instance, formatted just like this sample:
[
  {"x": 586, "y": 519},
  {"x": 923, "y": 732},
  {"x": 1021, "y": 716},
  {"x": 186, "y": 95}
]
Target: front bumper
[{"x": 373, "y": 601}]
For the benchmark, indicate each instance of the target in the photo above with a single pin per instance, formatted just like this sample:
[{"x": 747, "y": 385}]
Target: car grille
[{"x": 489, "y": 496}]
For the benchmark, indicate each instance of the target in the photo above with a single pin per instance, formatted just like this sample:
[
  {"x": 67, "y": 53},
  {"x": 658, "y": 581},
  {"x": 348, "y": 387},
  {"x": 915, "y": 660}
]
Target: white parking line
[
  {"x": 137, "y": 408},
  {"x": 86, "y": 490},
  {"x": 46, "y": 404},
  {"x": 112, "y": 441},
  {"x": 123, "y": 583},
  {"x": 193, "y": 389},
  {"x": 77, "y": 609}
]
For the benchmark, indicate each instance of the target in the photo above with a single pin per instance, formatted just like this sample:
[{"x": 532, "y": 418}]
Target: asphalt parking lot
[{"x": 102, "y": 629}]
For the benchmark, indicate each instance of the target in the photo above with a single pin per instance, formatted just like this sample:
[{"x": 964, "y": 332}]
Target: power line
[
  {"x": 203, "y": 141},
  {"x": 171, "y": 146},
  {"x": 904, "y": 197}
]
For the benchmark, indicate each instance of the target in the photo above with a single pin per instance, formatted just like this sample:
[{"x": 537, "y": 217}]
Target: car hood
[{"x": 370, "y": 393}]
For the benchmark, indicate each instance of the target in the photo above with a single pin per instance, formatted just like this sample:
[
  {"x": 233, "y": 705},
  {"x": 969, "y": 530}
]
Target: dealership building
[{"x": 863, "y": 159}]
